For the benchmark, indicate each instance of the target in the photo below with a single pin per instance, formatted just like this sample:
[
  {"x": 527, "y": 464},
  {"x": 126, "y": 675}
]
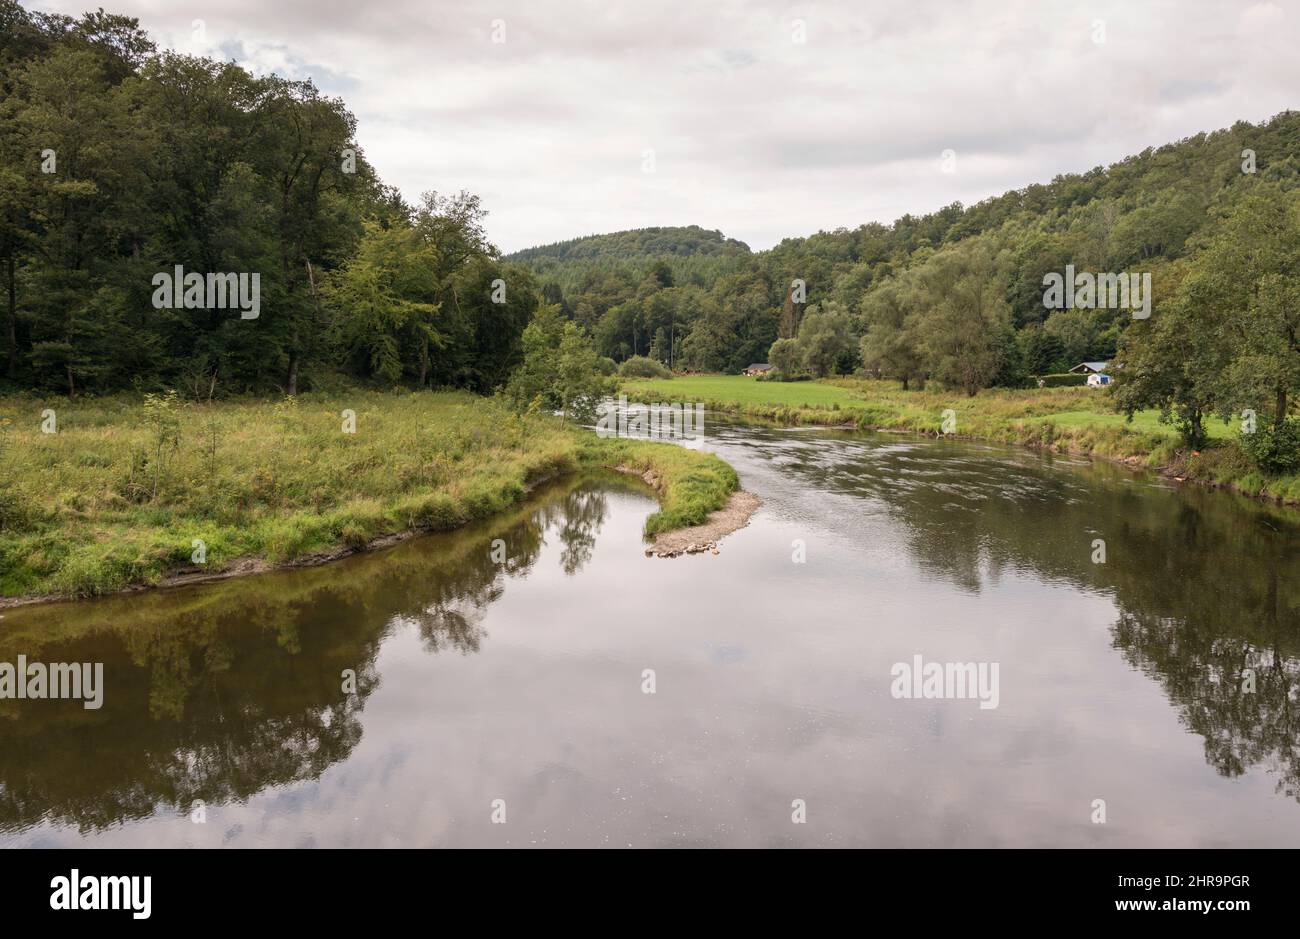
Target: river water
[{"x": 536, "y": 680}]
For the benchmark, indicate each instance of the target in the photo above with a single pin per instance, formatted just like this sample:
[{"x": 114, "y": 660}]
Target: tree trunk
[
  {"x": 293, "y": 373},
  {"x": 67, "y": 326},
  {"x": 424, "y": 361},
  {"x": 1279, "y": 409},
  {"x": 13, "y": 320},
  {"x": 1197, "y": 435}
]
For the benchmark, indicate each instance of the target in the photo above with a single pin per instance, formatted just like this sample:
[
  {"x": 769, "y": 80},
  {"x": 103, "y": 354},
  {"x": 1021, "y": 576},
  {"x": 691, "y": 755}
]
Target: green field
[
  {"x": 120, "y": 490},
  {"x": 1064, "y": 407},
  {"x": 1069, "y": 420},
  {"x": 742, "y": 389}
]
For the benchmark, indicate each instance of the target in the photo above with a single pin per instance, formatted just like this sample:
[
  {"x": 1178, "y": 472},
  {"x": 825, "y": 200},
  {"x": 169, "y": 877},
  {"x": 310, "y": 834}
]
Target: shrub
[
  {"x": 1064, "y": 380},
  {"x": 1274, "y": 449},
  {"x": 641, "y": 367},
  {"x": 786, "y": 357}
]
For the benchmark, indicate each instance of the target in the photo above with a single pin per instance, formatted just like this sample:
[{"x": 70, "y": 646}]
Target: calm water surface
[{"x": 522, "y": 681}]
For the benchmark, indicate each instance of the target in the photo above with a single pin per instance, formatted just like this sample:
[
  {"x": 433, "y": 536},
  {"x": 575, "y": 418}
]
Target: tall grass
[{"x": 124, "y": 489}]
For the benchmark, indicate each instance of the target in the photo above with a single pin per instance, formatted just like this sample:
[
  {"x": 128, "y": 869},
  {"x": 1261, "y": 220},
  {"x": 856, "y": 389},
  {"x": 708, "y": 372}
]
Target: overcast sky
[{"x": 765, "y": 119}]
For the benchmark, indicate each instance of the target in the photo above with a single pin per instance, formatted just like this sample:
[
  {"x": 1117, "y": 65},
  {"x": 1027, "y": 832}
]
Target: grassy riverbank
[
  {"x": 1073, "y": 420},
  {"x": 120, "y": 492}
]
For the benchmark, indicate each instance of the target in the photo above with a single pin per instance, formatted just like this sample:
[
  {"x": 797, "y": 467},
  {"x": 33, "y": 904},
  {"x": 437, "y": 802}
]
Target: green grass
[
  {"x": 1143, "y": 422},
  {"x": 691, "y": 484},
  {"x": 1069, "y": 420},
  {"x": 112, "y": 500},
  {"x": 742, "y": 389}
]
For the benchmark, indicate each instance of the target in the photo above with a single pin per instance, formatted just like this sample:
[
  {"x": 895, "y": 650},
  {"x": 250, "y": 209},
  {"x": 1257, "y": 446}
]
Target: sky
[{"x": 763, "y": 119}]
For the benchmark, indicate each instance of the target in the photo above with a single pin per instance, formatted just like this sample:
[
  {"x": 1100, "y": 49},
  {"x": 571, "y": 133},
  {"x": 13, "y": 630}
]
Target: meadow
[
  {"x": 1069, "y": 420},
  {"x": 97, "y": 495}
]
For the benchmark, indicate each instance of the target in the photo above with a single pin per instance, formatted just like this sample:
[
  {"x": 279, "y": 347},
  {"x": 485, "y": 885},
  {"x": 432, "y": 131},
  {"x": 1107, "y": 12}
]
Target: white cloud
[{"x": 753, "y": 133}]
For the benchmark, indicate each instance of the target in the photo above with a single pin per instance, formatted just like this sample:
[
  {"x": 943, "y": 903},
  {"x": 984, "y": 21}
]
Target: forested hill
[
  {"x": 690, "y": 253},
  {"x": 1145, "y": 213},
  {"x": 1153, "y": 200},
  {"x": 678, "y": 241}
]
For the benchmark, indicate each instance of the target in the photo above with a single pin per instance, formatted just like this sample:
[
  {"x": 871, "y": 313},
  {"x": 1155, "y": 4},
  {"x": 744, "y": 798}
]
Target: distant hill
[
  {"x": 639, "y": 243},
  {"x": 718, "y": 304}
]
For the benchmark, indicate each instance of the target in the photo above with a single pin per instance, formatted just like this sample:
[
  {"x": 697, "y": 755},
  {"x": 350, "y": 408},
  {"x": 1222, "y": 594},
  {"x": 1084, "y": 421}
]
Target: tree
[
  {"x": 1044, "y": 352},
  {"x": 68, "y": 108},
  {"x": 384, "y": 301},
  {"x": 825, "y": 337},
  {"x": 1248, "y": 281},
  {"x": 1172, "y": 362},
  {"x": 709, "y": 346},
  {"x": 891, "y": 347},
  {"x": 790, "y": 316},
  {"x": 963, "y": 313},
  {"x": 1077, "y": 333},
  {"x": 559, "y": 371},
  {"x": 453, "y": 226},
  {"x": 786, "y": 357}
]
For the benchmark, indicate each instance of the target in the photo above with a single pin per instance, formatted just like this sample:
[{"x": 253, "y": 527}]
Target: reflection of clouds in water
[
  {"x": 1192, "y": 572},
  {"x": 773, "y": 677},
  {"x": 726, "y": 655},
  {"x": 244, "y": 679}
]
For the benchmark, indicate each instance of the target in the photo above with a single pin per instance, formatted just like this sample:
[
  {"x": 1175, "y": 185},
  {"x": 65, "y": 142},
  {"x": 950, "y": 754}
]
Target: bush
[
  {"x": 606, "y": 366},
  {"x": 641, "y": 367},
  {"x": 786, "y": 356},
  {"x": 1064, "y": 380},
  {"x": 1274, "y": 449}
]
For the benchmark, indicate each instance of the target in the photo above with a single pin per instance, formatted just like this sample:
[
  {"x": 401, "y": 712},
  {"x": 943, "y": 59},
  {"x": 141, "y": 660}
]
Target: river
[{"x": 537, "y": 681}]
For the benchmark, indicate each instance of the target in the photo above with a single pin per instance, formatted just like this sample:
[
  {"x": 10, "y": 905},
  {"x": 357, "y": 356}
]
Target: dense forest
[
  {"x": 724, "y": 309},
  {"x": 123, "y": 163},
  {"x": 119, "y": 162}
]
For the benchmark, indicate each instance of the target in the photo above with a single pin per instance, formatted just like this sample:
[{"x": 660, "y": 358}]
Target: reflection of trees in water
[
  {"x": 442, "y": 627},
  {"x": 220, "y": 692},
  {"x": 261, "y": 722},
  {"x": 1205, "y": 678},
  {"x": 452, "y": 617},
  {"x": 1207, "y": 584},
  {"x": 1204, "y": 671},
  {"x": 579, "y": 517}
]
